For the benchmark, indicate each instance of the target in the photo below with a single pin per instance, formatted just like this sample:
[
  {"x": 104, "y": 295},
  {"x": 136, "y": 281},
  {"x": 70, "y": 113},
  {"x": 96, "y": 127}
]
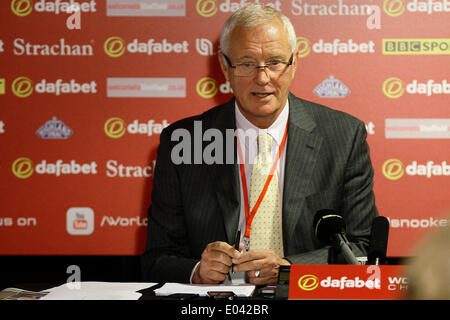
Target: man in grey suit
[{"x": 321, "y": 161}]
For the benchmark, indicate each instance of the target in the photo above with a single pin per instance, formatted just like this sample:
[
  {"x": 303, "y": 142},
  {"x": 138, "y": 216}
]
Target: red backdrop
[{"x": 84, "y": 96}]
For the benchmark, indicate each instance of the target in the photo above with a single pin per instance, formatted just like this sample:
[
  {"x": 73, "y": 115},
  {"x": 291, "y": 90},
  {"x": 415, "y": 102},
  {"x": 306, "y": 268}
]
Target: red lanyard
[{"x": 250, "y": 215}]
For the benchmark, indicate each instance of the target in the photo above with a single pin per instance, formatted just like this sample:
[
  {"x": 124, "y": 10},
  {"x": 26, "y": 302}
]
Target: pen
[{"x": 237, "y": 239}]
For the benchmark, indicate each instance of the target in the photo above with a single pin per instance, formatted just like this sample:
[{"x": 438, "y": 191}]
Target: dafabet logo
[
  {"x": 396, "y": 8},
  {"x": 208, "y": 87},
  {"x": 208, "y": 8},
  {"x": 334, "y": 47},
  {"x": 394, "y": 169},
  {"x": 22, "y": 8},
  {"x": 23, "y": 87},
  {"x": 115, "y": 127},
  {"x": 308, "y": 282},
  {"x": 394, "y": 87},
  {"x": 116, "y": 47},
  {"x": 24, "y": 168}
]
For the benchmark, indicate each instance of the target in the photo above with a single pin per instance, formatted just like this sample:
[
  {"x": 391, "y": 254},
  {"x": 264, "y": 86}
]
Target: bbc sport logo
[{"x": 415, "y": 46}]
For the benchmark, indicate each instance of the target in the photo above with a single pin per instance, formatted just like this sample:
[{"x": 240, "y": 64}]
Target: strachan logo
[{"x": 308, "y": 282}]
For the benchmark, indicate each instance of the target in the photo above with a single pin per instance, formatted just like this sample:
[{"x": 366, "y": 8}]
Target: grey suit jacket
[{"x": 327, "y": 167}]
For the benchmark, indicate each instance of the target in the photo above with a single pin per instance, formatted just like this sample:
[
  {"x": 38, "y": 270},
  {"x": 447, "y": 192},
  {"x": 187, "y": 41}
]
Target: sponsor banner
[
  {"x": 54, "y": 129},
  {"x": 330, "y": 8},
  {"x": 119, "y": 221},
  {"x": 331, "y": 88},
  {"x": 416, "y": 46},
  {"x": 24, "y": 168},
  {"x": 396, "y": 8},
  {"x": 115, "y": 47},
  {"x": 23, "y": 87},
  {"x": 394, "y": 169},
  {"x": 146, "y": 87},
  {"x": 116, "y": 127},
  {"x": 209, "y": 8},
  {"x": 417, "y": 129},
  {"x": 347, "y": 282},
  {"x": 333, "y": 47},
  {"x": 394, "y": 87},
  {"x": 60, "y": 47},
  {"x": 24, "y": 8},
  {"x": 417, "y": 223},
  {"x": 80, "y": 221},
  {"x": 146, "y": 8}
]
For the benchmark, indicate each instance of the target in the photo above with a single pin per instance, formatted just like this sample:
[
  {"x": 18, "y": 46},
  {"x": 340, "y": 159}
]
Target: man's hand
[
  {"x": 215, "y": 263},
  {"x": 264, "y": 262}
]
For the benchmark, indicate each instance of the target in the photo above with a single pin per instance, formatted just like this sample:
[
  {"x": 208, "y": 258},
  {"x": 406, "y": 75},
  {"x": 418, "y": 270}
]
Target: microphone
[
  {"x": 378, "y": 241},
  {"x": 329, "y": 228}
]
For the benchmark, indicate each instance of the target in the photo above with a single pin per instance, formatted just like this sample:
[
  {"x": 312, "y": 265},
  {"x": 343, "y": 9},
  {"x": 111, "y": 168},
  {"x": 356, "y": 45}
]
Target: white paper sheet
[
  {"x": 240, "y": 290},
  {"x": 97, "y": 291}
]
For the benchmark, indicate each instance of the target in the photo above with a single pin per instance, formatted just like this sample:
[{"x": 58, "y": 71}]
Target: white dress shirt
[{"x": 249, "y": 145}]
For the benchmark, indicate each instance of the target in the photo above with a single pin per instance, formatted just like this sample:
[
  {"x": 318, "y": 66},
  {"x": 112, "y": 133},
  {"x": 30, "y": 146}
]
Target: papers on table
[
  {"x": 240, "y": 290},
  {"x": 97, "y": 291}
]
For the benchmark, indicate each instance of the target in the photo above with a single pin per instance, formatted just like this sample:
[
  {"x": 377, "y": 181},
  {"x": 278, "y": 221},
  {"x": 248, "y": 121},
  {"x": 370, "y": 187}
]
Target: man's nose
[{"x": 262, "y": 76}]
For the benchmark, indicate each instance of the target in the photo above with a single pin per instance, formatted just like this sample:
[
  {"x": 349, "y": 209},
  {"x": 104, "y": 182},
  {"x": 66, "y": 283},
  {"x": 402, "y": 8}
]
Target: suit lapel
[
  {"x": 301, "y": 154},
  {"x": 226, "y": 176}
]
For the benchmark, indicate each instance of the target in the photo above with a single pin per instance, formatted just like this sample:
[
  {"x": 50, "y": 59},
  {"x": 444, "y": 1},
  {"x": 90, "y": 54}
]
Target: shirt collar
[{"x": 276, "y": 130}]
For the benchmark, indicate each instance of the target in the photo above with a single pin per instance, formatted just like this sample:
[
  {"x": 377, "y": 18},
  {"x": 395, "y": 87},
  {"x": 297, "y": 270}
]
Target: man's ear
[
  {"x": 223, "y": 64},
  {"x": 295, "y": 62}
]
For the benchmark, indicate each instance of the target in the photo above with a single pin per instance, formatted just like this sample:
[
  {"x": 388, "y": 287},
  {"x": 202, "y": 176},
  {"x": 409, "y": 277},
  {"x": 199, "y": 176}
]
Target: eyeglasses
[{"x": 248, "y": 69}]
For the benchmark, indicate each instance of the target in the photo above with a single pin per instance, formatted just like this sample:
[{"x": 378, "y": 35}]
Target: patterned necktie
[{"x": 266, "y": 230}]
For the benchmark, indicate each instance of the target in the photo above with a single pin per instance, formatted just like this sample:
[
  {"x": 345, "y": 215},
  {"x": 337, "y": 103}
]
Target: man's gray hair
[{"x": 253, "y": 15}]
